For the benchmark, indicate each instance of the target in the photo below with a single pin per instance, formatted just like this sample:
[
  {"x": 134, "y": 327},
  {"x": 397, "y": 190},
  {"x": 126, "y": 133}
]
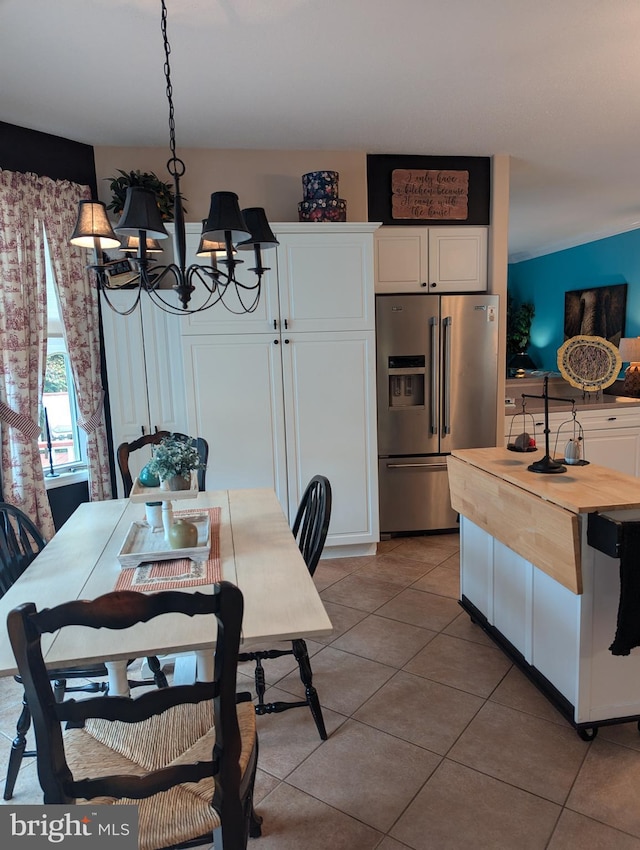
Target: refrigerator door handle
[
  {"x": 431, "y": 467},
  {"x": 433, "y": 410},
  {"x": 446, "y": 380}
]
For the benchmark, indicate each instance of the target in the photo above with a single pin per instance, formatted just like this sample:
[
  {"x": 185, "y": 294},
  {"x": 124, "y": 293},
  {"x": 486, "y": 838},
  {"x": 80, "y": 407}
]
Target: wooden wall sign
[
  {"x": 428, "y": 190},
  {"x": 429, "y": 194}
]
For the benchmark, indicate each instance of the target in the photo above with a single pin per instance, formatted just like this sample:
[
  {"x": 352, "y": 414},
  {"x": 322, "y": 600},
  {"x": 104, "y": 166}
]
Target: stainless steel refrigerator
[{"x": 437, "y": 373}]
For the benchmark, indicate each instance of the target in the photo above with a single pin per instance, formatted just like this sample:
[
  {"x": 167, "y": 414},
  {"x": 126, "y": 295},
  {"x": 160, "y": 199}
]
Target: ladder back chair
[
  {"x": 185, "y": 754},
  {"x": 20, "y": 543},
  {"x": 310, "y": 529},
  {"x": 125, "y": 449}
]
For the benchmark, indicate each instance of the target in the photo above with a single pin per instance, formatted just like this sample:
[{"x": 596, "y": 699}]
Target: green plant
[
  {"x": 519, "y": 318},
  {"x": 165, "y": 196},
  {"x": 173, "y": 456}
]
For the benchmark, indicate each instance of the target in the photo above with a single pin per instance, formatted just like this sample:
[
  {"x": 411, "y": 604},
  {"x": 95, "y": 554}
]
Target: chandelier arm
[{"x": 103, "y": 289}]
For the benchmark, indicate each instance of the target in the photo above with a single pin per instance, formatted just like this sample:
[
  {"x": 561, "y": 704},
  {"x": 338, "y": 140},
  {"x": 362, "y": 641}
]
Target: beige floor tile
[
  {"x": 365, "y": 773},
  {"x": 429, "y": 548},
  {"x": 459, "y": 808},
  {"x": 366, "y": 593},
  {"x": 462, "y": 627},
  {"x": 342, "y": 619},
  {"x": 329, "y": 571},
  {"x": 607, "y": 786},
  {"x": 625, "y": 734},
  {"x": 287, "y": 739},
  {"x": 294, "y": 820},
  {"x": 517, "y": 691},
  {"x": 525, "y": 751},
  {"x": 387, "y": 641},
  {"x": 469, "y": 666},
  {"x": 427, "y": 610},
  {"x": 443, "y": 580},
  {"x": 344, "y": 681},
  {"x": 265, "y": 783},
  {"x": 419, "y": 711},
  {"x": 391, "y": 844},
  {"x": 576, "y": 832},
  {"x": 396, "y": 569}
]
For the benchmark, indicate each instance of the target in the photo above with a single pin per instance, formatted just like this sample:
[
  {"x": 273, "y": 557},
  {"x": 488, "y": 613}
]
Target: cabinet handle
[
  {"x": 434, "y": 284},
  {"x": 424, "y": 284},
  {"x": 286, "y": 325},
  {"x": 286, "y": 342},
  {"x": 275, "y": 324},
  {"x": 612, "y": 418},
  {"x": 276, "y": 342},
  {"x": 142, "y": 430}
]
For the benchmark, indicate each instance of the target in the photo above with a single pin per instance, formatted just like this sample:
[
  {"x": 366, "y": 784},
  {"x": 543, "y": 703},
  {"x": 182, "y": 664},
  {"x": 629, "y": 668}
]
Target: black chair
[
  {"x": 125, "y": 449},
  {"x": 195, "y": 743},
  {"x": 20, "y": 542},
  {"x": 310, "y": 530}
]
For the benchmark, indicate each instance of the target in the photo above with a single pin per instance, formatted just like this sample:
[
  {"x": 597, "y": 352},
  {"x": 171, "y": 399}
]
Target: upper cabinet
[
  {"x": 431, "y": 259},
  {"x": 319, "y": 280}
]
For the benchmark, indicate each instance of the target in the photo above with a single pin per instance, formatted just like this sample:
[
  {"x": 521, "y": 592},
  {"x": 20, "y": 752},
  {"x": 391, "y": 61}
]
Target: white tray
[
  {"x": 140, "y": 493},
  {"x": 142, "y": 544}
]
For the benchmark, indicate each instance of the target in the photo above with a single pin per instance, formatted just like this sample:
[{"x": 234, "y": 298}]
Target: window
[{"x": 61, "y": 442}]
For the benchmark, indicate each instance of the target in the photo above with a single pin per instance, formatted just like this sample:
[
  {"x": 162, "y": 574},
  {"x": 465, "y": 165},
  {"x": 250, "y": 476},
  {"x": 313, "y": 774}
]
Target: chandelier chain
[{"x": 175, "y": 165}]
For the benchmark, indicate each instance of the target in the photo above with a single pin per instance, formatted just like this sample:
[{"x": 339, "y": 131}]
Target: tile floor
[{"x": 436, "y": 742}]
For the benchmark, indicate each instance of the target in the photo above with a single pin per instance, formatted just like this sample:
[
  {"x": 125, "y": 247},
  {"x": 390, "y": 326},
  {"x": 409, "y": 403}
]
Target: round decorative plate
[{"x": 589, "y": 363}]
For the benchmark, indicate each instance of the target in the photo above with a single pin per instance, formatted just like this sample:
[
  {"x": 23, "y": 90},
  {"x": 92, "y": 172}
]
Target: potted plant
[
  {"x": 519, "y": 319},
  {"x": 165, "y": 196},
  {"x": 173, "y": 461}
]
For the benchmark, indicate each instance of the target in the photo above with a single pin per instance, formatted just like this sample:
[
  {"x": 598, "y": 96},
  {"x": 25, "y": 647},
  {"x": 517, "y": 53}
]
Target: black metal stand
[{"x": 547, "y": 464}]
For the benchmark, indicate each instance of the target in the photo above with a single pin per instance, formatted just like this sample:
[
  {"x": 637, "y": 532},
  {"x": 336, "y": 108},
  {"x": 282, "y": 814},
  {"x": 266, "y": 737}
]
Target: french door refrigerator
[{"x": 437, "y": 373}]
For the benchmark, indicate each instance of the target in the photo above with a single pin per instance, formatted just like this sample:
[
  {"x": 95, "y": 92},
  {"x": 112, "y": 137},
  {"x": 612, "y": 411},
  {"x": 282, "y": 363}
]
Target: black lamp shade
[
  {"x": 93, "y": 224},
  {"x": 141, "y": 213},
  {"x": 521, "y": 360},
  {"x": 225, "y": 218},
  {"x": 130, "y": 245},
  {"x": 261, "y": 234}
]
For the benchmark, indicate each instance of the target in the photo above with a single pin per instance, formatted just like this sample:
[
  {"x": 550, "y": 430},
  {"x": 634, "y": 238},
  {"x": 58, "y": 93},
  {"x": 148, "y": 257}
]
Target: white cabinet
[
  {"x": 296, "y": 398},
  {"x": 144, "y": 374},
  {"x": 432, "y": 259},
  {"x": 611, "y": 435}
]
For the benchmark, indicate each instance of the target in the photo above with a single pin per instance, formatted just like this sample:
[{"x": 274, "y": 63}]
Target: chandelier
[{"x": 226, "y": 231}]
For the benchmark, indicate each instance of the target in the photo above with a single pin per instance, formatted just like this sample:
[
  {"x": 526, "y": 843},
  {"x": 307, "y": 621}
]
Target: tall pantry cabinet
[
  {"x": 288, "y": 391},
  {"x": 144, "y": 373}
]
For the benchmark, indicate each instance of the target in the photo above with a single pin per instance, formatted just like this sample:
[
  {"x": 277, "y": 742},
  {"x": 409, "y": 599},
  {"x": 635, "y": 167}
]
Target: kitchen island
[{"x": 535, "y": 576}]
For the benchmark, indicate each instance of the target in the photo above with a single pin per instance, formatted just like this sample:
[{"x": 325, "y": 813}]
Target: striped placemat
[{"x": 178, "y": 574}]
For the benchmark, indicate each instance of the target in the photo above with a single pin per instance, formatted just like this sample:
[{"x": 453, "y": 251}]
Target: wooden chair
[
  {"x": 20, "y": 542},
  {"x": 125, "y": 449},
  {"x": 310, "y": 529},
  {"x": 130, "y": 750}
]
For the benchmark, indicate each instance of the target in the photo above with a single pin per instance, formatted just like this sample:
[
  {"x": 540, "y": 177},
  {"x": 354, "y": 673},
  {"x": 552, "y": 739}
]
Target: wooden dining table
[{"x": 257, "y": 552}]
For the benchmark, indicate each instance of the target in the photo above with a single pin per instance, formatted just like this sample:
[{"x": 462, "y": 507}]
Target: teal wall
[{"x": 544, "y": 280}]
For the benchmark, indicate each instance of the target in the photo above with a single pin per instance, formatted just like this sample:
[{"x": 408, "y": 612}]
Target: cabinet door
[
  {"x": 326, "y": 281},
  {"x": 144, "y": 374},
  {"x": 329, "y": 391},
  {"x": 234, "y": 400},
  {"x": 401, "y": 259},
  {"x": 457, "y": 259},
  {"x": 616, "y": 448},
  {"x": 218, "y": 319}
]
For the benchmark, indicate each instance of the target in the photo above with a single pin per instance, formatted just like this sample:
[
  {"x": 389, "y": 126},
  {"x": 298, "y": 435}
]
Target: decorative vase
[
  {"x": 153, "y": 512},
  {"x": 176, "y": 482},
  {"x": 147, "y": 478},
  {"x": 183, "y": 534}
]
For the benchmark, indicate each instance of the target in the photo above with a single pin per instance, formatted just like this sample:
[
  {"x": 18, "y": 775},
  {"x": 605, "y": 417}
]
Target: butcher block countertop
[
  {"x": 581, "y": 489},
  {"x": 534, "y": 514}
]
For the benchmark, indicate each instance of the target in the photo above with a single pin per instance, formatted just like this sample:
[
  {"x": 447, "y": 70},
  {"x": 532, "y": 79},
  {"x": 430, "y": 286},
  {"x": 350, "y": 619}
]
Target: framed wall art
[{"x": 598, "y": 311}]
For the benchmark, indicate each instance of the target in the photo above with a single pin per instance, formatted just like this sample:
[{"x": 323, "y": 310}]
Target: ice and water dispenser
[{"x": 406, "y": 381}]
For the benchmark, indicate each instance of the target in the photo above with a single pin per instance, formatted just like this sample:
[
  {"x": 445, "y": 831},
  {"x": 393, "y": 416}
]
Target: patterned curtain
[
  {"x": 78, "y": 299},
  {"x": 23, "y": 344}
]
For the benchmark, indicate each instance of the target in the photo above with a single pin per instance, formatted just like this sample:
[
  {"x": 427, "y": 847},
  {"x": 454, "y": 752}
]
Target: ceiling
[{"x": 553, "y": 84}]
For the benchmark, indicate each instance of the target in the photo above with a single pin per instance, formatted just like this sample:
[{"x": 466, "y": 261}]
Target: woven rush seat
[{"x": 182, "y": 735}]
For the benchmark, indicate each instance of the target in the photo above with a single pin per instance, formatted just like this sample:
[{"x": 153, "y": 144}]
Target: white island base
[{"x": 556, "y": 630}]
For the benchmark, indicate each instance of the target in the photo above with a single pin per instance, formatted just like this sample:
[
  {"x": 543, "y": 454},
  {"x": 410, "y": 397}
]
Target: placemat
[{"x": 178, "y": 574}]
